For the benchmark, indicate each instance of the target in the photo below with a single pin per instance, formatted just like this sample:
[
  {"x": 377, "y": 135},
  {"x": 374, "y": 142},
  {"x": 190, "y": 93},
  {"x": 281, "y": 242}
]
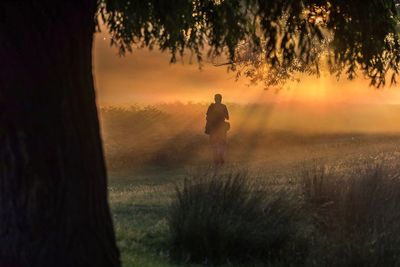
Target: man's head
[{"x": 218, "y": 98}]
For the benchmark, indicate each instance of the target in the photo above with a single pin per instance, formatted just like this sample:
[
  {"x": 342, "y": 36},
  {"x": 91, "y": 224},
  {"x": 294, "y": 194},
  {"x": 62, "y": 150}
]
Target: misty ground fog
[{"x": 172, "y": 135}]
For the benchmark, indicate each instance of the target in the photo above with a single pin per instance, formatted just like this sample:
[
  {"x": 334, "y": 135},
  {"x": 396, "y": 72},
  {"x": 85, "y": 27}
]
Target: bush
[
  {"x": 348, "y": 216},
  {"x": 357, "y": 215},
  {"x": 224, "y": 217}
]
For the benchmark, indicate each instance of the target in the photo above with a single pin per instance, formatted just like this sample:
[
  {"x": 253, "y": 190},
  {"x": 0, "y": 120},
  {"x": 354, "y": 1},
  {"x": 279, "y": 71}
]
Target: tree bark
[{"x": 53, "y": 188}]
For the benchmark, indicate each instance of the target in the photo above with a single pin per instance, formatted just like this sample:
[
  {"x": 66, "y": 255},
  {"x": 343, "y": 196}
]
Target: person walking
[{"x": 217, "y": 128}]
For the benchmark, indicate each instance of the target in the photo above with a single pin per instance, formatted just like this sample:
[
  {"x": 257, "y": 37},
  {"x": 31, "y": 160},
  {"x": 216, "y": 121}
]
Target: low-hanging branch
[{"x": 281, "y": 36}]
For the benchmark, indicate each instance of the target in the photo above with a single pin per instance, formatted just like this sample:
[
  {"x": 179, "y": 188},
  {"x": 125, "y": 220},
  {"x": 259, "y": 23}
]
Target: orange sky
[{"x": 148, "y": 77}]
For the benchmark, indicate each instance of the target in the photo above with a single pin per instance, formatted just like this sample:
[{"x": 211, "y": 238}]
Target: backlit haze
[{"x": 146, "y": 77}]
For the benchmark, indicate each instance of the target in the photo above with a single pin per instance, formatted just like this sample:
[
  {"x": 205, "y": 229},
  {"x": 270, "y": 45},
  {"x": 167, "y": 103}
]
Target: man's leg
[
  {"x": 214, "y": 148},
  {"x": 222, "y": 152}
]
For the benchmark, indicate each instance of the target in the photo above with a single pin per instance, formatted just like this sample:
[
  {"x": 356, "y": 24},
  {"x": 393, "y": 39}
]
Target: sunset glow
[{"x": 147, "y": 77}]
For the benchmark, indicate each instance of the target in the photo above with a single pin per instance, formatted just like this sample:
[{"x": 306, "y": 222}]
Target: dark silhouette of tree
[
  {"x": 356, "y": 37},
  {"x": 53, "y": 189},
  {"x": 350, "y": 44}
]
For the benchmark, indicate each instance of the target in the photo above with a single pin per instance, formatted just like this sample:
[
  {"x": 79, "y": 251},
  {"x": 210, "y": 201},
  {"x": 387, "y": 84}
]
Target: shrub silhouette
[
  {"x": 357, "y": 215},
  {"x": 224, "y": 218}
]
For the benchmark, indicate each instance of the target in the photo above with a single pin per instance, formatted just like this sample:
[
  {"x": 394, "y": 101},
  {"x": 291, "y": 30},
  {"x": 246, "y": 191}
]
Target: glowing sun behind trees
[{"x": 267, "y": 40}]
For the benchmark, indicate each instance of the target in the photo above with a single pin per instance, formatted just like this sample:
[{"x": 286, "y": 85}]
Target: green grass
[
  {"x": 150, "y": 150},
  {"x": 141, "y": 234},
  {"x": 350, "y": 203},
  {"x": 139, "y": 203}
]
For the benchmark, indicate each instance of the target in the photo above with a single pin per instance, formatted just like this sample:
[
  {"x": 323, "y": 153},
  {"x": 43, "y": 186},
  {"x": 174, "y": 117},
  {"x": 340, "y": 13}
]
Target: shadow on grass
[{"x": 342, "y": 216}]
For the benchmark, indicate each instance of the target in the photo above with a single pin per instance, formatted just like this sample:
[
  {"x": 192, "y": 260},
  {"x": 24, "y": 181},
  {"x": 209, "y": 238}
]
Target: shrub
[
  {"x": 224, "y": 217},
  {"x": 360, "y": 213}
]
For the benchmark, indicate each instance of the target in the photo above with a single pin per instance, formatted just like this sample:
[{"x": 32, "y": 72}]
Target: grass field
[{"x": 142, "y": 181}]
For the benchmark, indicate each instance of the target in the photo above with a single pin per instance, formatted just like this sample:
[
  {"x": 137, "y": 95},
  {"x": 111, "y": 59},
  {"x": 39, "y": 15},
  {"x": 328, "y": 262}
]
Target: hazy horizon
[
  {"x": 147, "y": 77},
  {"x": 316, "y": 104}
]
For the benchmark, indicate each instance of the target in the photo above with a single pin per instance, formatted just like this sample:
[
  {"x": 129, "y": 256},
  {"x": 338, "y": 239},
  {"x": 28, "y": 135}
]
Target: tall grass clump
[
  {"x": 227, "y": 218},
  {"x": 358, "y": 216}
]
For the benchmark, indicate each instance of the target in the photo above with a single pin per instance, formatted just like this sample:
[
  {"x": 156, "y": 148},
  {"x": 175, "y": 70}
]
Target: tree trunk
[{"x": 53, "y": 188}]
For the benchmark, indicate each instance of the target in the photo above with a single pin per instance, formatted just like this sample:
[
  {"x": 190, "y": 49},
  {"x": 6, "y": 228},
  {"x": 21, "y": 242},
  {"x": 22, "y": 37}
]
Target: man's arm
[
  {"x": 209, "y": 110},
  {"x": 226, "y": 113}
]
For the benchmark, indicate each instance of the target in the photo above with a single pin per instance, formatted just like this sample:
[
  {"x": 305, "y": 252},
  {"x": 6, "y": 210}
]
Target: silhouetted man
[{"x": 217, "y": 127}]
